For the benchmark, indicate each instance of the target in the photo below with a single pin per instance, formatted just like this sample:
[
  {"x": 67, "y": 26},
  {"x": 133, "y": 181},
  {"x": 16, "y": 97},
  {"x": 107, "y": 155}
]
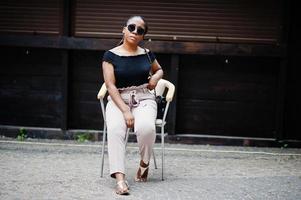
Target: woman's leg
[
  {"x": 116, "y": 140},
  {"x": 145, "y": 117}
]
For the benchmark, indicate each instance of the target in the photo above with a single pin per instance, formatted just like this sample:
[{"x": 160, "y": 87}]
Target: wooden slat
[{"x": 173, "y": 47}]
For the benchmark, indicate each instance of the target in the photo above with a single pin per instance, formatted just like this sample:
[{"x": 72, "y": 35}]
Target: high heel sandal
[
  {"x": 122, "y": 187},
  {"x": 142, "y": 172}
]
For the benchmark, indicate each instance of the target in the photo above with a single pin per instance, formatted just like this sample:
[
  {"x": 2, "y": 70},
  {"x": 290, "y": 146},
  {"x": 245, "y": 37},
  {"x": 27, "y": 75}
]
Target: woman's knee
[
  {"x": 145, "y": 128},
  {"x": 116, "y": 131}
]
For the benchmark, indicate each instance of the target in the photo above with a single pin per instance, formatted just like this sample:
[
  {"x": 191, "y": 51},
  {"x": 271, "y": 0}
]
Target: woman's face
[{"x": 134, "y": 31}]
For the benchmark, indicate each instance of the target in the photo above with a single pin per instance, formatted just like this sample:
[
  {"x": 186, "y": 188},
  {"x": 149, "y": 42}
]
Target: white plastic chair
[{"x": 160, "y": 90}]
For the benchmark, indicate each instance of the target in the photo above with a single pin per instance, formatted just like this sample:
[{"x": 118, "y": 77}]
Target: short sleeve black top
[{"x": 130, "y": 70}]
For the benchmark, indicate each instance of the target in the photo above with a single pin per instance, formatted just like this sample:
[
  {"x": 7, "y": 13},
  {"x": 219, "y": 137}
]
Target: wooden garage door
[
  {"x": 31, "y": 16},
  {"x": 190, "y": 20}
]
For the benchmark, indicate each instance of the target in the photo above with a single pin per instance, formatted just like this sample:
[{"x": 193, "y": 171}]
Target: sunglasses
[{"x": 132, "y": 28}]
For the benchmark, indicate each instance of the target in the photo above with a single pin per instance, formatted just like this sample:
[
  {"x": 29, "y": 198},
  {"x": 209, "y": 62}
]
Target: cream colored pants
[{"x": 144, "y": 108}]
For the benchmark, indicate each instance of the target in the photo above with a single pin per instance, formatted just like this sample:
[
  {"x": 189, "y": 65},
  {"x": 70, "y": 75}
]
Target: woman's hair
[{"x": 127, "y": 23}]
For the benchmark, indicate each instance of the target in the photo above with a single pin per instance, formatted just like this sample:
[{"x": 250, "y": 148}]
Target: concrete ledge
[
  {"x": 233, "y": 141},
  {"x": 47, "y": 133},
  {"x": 96, "y": 135}
]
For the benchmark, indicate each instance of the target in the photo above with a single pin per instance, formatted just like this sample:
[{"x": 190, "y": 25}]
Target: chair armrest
[
  {"x": 102, "y": 92},
  {"x": 170, "y": 93}
]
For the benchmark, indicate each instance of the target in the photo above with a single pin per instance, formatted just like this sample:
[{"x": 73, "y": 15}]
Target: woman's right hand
[
  {"x": 108, "y": 73},
  {"x": 129, "y": 119}
]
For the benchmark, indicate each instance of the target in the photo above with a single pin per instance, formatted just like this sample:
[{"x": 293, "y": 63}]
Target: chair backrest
[{"x": 160, "y": 88}]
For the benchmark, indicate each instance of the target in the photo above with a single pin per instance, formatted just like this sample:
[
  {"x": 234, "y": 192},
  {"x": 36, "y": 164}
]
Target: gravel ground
[{"x": 56, "y": 169}]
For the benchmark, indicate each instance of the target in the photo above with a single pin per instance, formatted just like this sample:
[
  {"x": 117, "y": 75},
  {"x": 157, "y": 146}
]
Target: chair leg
[
  {"x": 127, "y": 136},
  {"x": 103, "y": 149},
  {"x": 163, "y": 150},
  {"x": 155, "y": 162}
]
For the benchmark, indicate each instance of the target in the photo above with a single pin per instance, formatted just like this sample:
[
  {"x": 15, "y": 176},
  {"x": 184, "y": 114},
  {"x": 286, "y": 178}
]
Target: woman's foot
[
  {"x": 122, "y": 187},
  {"x": 142, "y": 172}
]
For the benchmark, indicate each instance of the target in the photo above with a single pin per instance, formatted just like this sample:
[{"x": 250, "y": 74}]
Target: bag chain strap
[{"x": 150, "y": 62}]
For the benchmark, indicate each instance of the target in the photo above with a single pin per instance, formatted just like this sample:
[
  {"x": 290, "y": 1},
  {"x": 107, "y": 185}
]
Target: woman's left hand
[
  {"x": 157, "y": 75},
  {"x": 152, "y": 83}
]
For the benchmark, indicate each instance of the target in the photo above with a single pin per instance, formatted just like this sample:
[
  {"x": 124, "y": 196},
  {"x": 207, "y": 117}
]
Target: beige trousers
[{"x": 144, "y": 108}]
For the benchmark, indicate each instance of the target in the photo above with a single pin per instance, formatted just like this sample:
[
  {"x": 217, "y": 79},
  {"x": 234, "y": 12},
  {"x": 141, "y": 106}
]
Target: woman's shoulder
[
  {"x": 145, "y": 49},
  {"x": 108, "y": 56},
  {"x": 108, "y": 53},
  {"x": 115, "y": 50},
  {"x": 142, "y": 50}
]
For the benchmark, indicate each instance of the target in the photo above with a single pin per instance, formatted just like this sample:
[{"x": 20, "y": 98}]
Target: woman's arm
[
  {"x": 109, "y": 78},
  {"x": 157, "y": 75}
]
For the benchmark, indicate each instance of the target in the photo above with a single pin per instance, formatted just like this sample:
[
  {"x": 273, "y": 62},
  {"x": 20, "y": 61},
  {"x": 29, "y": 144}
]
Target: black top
[{"x": 130, "y": 70}]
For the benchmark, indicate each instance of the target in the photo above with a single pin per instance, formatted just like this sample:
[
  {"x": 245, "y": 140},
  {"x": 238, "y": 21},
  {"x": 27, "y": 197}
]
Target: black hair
[{"x": 145, "y": 26}]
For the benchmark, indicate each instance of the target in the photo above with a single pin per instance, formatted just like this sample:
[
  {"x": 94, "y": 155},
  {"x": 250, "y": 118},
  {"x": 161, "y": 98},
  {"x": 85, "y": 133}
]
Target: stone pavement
[{"x": 54, "y": 169}]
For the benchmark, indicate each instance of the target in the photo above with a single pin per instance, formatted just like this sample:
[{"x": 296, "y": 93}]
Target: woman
[{"x": 126, "y": 71}]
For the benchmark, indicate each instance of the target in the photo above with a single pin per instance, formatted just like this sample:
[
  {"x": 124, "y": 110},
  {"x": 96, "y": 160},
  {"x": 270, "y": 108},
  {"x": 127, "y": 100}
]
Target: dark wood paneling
[
  {"x": 225, "y": 118},
  {"x": 30, "y": 87},
  {"x": 227, "y": 95},
  {"x": 85, "y": 82}
]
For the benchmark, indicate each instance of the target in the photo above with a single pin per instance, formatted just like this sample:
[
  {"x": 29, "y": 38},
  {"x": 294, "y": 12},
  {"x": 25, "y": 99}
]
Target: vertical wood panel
[
  {"x": 65, "y": 66},
  {"x": 174, "y": 73},
  {"x": 292, "y": 94},
  {"x": 65, "y": 89}
]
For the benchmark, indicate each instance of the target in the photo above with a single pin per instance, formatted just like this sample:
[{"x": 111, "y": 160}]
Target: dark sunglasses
[{"x": 132, "y": 28}]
